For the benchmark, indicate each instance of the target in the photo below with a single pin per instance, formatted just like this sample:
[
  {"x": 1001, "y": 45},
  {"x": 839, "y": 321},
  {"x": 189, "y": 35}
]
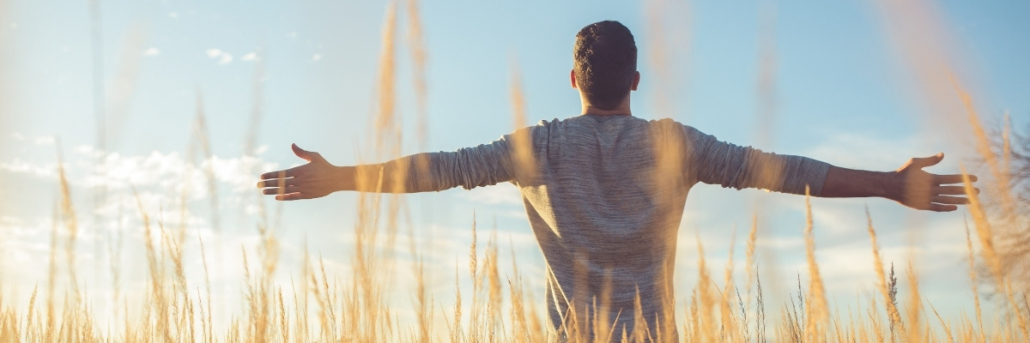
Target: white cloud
[
  {"x": 164, "y": 172},
  {"x": 292, "y": 35},
  {"x": 222, "y": 56},
  {"x": 867, "y": 152},
  {"x": 151, "y": 52},
  {"x": 252, "y": 56},
  {"x": 18, "y": 136},
  {"x": 14, "y": 26},
  {"x": 173, "y": 15},
  {"x": 316, "y": 58},
  {"x": 44, "y": 140},
  {"x": 46, "y": 171},
  {"x": 504, "y": 194},
  {"x": 87, "y": 150}
]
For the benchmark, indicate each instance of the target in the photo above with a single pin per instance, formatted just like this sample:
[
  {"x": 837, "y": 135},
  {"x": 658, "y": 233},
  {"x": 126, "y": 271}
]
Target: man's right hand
[
  {"x": 918, "y": 189},
  {"x": 316, "y": 179},
  {"x": 910, "y": 185}
]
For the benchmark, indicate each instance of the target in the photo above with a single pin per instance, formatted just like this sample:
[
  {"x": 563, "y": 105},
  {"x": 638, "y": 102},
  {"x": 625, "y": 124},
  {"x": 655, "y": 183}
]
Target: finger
[
  {"x": 953, "y": 190},
  {"x": 300, "y": 152},
  {"x": 277, "y": 183},
  {"x": 923, "y": 162},
  {"x": 957, "y": 178},
  {"x": 950, "y": 200},
  {"x": 281, "y": 190},
  {"x": 306, "y": 155},
  {"x": 281, "y": 174},
  {"x": 942, "y": 208},
  {"x": 289, "y": 197}
]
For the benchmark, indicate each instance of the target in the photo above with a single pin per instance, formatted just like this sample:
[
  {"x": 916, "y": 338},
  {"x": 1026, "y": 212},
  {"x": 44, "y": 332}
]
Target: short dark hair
[{"x": 605, "y": 63}]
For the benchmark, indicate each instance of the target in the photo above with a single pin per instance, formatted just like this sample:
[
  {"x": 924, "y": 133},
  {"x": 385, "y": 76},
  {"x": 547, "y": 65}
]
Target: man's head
[{"x": 605, "y": 67}]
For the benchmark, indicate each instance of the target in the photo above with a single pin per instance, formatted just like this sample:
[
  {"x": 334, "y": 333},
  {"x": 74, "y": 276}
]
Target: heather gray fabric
[{"x": 605, "y": 202}]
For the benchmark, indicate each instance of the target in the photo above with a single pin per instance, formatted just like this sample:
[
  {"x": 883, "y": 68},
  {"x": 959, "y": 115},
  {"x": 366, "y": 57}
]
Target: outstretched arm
[
  {"x": 482, "y": 165},
  {"x": 739, "y": 167},
  {"x": 909, "y": 185},
  {"x": 319, "y": 178}
]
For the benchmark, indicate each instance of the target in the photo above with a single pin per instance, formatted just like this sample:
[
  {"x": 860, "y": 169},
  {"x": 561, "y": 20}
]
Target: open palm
[
  {"x": 315, "y": 179},
  {"x": 921, "y": 190}
]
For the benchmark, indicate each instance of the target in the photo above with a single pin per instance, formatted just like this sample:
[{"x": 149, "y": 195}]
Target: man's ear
[
  {"x": 572, "y": 78},
  {"x": 636, "y": 81}
]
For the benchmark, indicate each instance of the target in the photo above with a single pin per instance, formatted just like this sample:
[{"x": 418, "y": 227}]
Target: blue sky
[{"x": 844, "y": 91}]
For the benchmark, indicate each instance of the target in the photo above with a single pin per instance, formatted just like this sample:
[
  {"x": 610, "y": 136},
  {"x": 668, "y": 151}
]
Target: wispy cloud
[
  {"x": 252, "y": 56},
  {"x": 868, "y": 152},
  {"x": 316, "y": 58},
  {"x": 223, "y": 57},
  {"x": 44, "y": 140},
  {"x": 164, "y": 172},
  {"x": 173, "y": 15},
  {"x": 151, "y": 52},
  {"x": 503, "y": 194},
  {"x": 43, "y": 171}
]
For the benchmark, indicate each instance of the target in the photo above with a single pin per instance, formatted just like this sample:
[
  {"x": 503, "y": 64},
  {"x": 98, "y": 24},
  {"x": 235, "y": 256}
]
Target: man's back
[
  {"x": 601, "y": 220},
  {"x": 605, "y": 198}
]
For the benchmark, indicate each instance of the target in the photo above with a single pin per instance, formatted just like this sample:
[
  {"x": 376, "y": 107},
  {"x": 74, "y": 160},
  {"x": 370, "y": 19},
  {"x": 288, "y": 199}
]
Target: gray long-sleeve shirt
[{"x": 605, "y": 196}]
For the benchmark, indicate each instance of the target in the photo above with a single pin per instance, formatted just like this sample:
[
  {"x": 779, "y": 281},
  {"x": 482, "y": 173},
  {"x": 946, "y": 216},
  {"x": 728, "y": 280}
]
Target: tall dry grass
[{"x": 321, "y": 307}]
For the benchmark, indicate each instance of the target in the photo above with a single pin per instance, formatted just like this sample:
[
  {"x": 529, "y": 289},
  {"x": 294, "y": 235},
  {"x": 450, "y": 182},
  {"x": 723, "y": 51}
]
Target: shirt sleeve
[
  {"x": 478, "y": 166},
  {"x": 717, "y": 162}
]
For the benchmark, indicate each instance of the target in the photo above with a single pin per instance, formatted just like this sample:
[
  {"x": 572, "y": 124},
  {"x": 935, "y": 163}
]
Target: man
[{"x": 605, "y": 191}]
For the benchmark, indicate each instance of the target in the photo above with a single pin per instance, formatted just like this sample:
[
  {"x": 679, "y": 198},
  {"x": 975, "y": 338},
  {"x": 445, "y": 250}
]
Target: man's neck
[{"x": 623, "y": 109}]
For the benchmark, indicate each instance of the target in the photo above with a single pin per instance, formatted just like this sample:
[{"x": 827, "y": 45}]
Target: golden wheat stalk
[
  {"x": 892, "y": 310},
  {"x": 817, "y": 311},
  {"x": 990, "y": 254}
]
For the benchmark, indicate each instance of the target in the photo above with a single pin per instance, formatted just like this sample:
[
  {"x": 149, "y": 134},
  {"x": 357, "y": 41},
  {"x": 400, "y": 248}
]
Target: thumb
[
  {"x": 923, "y": 162},
  {"x": 304, "y": 154}
]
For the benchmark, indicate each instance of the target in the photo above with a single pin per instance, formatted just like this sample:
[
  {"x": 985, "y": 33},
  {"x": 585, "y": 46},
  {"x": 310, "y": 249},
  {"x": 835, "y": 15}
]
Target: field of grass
[{"x": 499, "y": 307}]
